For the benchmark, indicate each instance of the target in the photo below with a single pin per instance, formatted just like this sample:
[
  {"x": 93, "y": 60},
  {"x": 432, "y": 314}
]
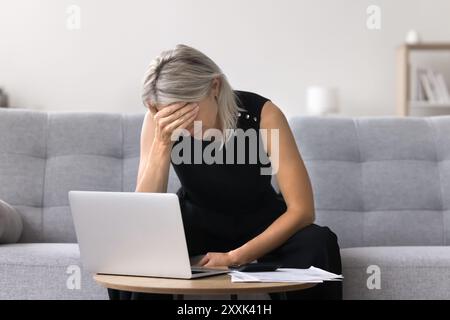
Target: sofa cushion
[
  {"x": 42, "y": 271},
  {"x": 45, "y": 271},
  {"x": 405, "y": 272},
  {"x": 10, "y": 223}
]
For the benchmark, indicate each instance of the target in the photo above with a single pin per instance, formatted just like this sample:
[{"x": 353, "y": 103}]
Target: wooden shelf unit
[{"x": 404, "y": 105}]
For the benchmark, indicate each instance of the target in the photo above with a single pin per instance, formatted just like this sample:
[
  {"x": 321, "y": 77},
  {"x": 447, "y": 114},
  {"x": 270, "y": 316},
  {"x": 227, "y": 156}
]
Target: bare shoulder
[{"x": 272, "y": 116}]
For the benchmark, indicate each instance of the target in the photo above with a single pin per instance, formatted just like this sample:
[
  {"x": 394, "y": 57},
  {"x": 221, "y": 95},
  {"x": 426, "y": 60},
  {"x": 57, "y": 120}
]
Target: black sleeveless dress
[{"x": 225, "y": 204}]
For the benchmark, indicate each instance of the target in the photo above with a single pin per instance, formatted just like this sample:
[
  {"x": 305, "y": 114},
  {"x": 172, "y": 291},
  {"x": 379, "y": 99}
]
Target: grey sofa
[{"x": 381, "y": 183}]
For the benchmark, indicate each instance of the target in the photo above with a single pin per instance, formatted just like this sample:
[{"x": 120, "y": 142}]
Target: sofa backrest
[
  {"x": 43, "y": 155},
  {"x": 376, "y": 180},
  {"x": 379, "y": 180}
]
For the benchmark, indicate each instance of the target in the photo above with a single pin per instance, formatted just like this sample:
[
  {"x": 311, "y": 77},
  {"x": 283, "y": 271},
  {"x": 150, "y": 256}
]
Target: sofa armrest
[{"x": 11, "y": 224}]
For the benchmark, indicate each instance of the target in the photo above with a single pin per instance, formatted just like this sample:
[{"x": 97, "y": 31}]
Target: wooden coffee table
[{"x": 220, "y": 284}]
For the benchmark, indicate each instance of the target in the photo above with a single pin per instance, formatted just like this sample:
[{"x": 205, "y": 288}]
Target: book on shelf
[{"x": 428, "y": 85}]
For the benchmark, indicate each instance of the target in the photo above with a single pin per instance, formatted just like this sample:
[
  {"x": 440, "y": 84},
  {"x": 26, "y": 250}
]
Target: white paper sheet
[{"x": 310, "y": 275}]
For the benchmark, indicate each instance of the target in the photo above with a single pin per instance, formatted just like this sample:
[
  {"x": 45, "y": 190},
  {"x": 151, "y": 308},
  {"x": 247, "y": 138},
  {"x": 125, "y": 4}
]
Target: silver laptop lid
[{"x": 130, "y": 233}]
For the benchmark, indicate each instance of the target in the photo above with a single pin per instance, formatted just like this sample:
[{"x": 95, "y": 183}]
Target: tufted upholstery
[
  {"x": 376, "y": 181},
  {"x": 379, "y": 180},
  {"x": 44, "y": 155}
]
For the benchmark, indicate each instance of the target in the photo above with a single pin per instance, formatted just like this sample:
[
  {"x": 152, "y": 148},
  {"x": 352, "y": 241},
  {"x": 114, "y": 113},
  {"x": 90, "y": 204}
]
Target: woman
[{"x": 231, "y": 212}]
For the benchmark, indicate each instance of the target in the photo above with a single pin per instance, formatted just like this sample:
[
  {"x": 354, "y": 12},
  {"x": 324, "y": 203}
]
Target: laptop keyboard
[{"x": 196, "y": 270}]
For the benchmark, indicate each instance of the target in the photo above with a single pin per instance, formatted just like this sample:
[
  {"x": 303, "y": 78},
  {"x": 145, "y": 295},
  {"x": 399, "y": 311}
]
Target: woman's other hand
[{"x": 217, "y": 259}]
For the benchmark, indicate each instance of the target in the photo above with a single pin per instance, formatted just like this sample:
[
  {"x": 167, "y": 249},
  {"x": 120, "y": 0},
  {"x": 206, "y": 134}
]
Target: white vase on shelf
[
  {"x": 321, "y": 100},
  {"x": 412, "y": 37}
]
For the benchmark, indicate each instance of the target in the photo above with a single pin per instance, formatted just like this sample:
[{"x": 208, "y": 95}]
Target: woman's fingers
[
  {"x": 204, "y": 260},
  {"x": 184, "y": 121},
  {"x": 188, "y": 122},
  {"x": 177, "y": 113},
  {"x": 177, "y": 116},
  {"x": 167, "y": 111},
  {"x": 179, "y": 130},
  {"x": 174, "y": 116}
]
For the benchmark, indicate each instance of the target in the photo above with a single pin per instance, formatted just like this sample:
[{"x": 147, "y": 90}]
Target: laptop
[{"x": 133, "y": 233}]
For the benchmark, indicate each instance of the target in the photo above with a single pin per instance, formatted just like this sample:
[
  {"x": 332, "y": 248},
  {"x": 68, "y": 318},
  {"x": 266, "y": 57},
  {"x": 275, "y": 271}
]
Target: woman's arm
[
  {"x": 295, "y": 186},
  {"x": 154, "y": 160},
  {"x": 156, "y": 144}
]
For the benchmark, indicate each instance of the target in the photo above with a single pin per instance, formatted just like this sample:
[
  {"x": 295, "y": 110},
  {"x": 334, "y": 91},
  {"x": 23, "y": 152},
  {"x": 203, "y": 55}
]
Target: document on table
[{"x": 310, "y": 275}]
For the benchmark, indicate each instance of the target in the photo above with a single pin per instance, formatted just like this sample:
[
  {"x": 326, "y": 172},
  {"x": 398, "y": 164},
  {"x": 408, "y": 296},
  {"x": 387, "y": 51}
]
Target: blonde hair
[{"x": 185, "y": 74}]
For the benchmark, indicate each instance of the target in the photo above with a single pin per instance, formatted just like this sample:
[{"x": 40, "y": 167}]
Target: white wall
[{"x": 274, "y": 47}]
